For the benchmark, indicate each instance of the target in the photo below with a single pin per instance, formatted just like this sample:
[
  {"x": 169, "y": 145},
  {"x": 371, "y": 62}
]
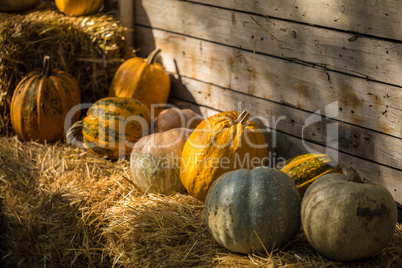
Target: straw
[
  {"x": 62, "y": 206},
  {"x": 88, "y": 47}
]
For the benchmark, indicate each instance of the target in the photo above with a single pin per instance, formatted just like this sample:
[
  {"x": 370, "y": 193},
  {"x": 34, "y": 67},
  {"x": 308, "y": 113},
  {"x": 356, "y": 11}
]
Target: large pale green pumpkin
[
  {"x": 347, "y": 218},
  {"x": 252, "y": 210}
]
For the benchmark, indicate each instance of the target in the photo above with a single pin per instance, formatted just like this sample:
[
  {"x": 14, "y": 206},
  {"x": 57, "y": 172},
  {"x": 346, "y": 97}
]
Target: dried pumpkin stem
[
  {"x": 243, "y": 117},
  {"x": 353, "y": 175},
  {"x": 47, "y": 71},
  {"x": 74, "y": 134},
  {"x": 153, "y": 55}
]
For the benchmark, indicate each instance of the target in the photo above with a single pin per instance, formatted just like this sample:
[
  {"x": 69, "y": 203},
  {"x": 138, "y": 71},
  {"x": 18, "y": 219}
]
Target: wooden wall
[{"x": 337, "y": 63}]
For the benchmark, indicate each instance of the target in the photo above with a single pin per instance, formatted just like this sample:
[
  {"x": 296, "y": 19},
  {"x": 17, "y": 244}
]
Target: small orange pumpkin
[
  {"x": 78, "y": 7},
  {"x": 41, "y": 102},
  {"x": 144, "y": 80}
]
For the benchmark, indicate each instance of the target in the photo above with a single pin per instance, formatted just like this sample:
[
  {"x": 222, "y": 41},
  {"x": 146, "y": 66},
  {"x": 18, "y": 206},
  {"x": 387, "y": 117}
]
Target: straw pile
[
  {"x": 90, "y": 48},
  {"x": 52, "y": 198},
  {"x": 61, "y": 206}
]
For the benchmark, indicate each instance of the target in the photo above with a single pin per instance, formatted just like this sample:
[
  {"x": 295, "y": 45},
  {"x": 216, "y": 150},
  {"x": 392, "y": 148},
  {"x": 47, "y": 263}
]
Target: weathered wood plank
[
  {"x": 347, "y": 138},
  {"x": 364, "y": 103},
  {"x": 289, "y": 146},
  {"x": 372, "y": 17},
  {"x": 367, "y": 57}
]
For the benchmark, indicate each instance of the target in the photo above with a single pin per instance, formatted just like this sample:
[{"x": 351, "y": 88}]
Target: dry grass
[
  {"x": 90, "y": 48},
  {"x": 62, "y": 206},
  {"x": 52, "y": 202}
]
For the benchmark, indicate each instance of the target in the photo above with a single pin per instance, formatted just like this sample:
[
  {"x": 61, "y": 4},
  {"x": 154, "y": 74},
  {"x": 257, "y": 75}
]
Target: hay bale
[
  {"x": 53, "y": 201},
  {"x": 62, "y": 206},
  {"x": 89, "y": 47},
  {"x": 169, "y": 231}
]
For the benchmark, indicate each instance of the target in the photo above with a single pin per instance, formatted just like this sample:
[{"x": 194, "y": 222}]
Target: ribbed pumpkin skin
[
  {"x": 253, "y": 211},
  {"x": 155, "y": 161},
  {"x": 17, "y": 5},
  {"x": 108, "y": 129},
  {"x": 40, "y": 104},
  {"x": 346, "y": 220},
  {"x": 304, "y": 169},
  {"x": 78, "y": 7},
  {"x": 219, "y": 145},
  {"x": 143, "y": 80}
]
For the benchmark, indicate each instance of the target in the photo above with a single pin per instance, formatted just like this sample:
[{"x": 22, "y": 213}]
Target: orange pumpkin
[
  {"x": 78, "y": 7},
  {"x": 41, "y": 102},
  {"x": 143, "y": 80}
]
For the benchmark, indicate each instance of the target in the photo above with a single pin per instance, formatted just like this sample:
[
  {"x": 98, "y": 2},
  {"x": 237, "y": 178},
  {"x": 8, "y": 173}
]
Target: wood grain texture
[
  {"x": 371, "y": 17},
  {"x": 289, "y": 146},
  {"x": 367, "y": 57},
  {"x": 340, "y": 59},
  {"x": 364, "y": 103},
  {"x": 333, "y": 133}
]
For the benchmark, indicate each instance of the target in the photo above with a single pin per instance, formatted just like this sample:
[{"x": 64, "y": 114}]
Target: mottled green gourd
[
  {"x": 306, "y": 168},
  {"x": 113, "y": 125}
]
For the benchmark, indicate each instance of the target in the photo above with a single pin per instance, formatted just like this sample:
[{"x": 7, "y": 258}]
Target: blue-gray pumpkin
[{"x": 253, "y": 210}]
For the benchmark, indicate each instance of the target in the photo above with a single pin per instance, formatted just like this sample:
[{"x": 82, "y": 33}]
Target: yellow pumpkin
[
  {"x": 78, "y": 7},
  {"x": 41, "y": 102},
  {"x": 221, "y": 143},
  {"x": 144, "y": 80}
]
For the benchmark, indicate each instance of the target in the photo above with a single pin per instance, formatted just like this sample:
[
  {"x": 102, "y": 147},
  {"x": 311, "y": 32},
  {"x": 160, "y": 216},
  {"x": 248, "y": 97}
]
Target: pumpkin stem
[
  {"x": 74, "y": 134},
  {"x": 243, "y": 117},
  {"x": 353, "y": 175},
  {"x": 153, "y": 55},
  {"x": 46, "y": 71}
]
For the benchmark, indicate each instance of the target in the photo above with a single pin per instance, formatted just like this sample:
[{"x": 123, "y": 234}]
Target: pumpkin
[
  {"x": 17, "y": 5},
  {"x": 176, "y": 118},
  {"x": 144, "y": 80},
  {"x": 41, "y": 102},
  {"x": 306, "y": 168},
  {"x": 220, "y": 143},
  {"x": 78, "y": 7},
  {"x": 155, "y": 161},
  {"x": 113, "y": 125},
  {"x": 250, "y": 211},
  {"x": 347, "y": 218}
]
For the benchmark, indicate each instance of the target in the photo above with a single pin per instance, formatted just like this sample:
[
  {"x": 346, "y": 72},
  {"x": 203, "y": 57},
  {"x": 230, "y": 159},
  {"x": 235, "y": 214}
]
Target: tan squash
[
  {"x": 155, "y": 161},
  {"x": 176, "y": 118}
]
